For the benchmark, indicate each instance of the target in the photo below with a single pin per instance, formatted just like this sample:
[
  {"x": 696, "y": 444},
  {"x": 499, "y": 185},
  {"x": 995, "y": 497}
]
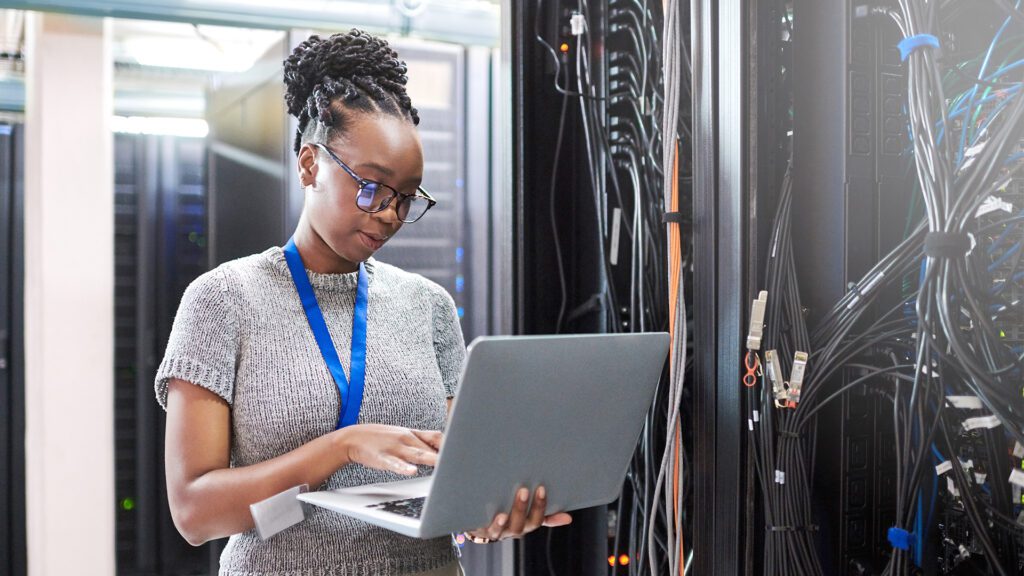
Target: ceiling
[{"x": 165, "y": 68}]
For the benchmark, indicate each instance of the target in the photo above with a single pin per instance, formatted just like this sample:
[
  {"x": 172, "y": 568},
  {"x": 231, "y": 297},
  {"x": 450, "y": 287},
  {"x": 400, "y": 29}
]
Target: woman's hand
[
  {"x": 390, "y": 448},
  {"x": 519, "y": 521}
]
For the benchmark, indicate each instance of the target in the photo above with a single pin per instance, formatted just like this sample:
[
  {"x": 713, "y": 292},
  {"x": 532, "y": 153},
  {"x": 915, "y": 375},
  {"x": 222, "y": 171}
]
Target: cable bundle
[
  {"x": 939, "y": 353},
  {"x": 627, "y": 73}
]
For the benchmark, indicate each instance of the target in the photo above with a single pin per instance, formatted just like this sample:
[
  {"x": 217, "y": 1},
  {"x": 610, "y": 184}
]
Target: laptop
[{"x": 562, "y": 411}]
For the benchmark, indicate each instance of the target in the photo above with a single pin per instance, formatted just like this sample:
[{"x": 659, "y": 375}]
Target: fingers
[
  {"x": 497, "y": 526},
  {"x": 411, "y": 450},
  {"x": 536, "y": 515},
  {"x": 385, "y": 461},
  {"x": 556, "y": 520},
  {"x": 431, "y": 437},
  {"x": 392, "y": 448},
  {"x": 422, "y": 456},
  {"x": 517, "y": 517}
]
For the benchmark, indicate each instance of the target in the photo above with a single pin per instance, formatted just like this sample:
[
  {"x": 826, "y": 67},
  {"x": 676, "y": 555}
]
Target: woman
[{"x": 253, "y": 407}]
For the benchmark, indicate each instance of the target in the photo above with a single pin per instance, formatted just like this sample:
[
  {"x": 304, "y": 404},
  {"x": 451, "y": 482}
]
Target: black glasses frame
[{"x": 421, "y": 192}]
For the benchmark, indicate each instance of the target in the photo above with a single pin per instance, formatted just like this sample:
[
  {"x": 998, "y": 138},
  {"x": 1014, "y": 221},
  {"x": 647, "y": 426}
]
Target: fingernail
[
  {"x": 541, "y": 492},
  {"x": 502, "y": 519},
  {"x": 523, "y": 494}
]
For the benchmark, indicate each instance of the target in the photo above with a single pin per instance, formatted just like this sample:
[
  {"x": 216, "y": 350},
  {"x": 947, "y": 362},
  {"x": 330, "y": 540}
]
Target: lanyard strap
[{"x": 351, "y": 393}]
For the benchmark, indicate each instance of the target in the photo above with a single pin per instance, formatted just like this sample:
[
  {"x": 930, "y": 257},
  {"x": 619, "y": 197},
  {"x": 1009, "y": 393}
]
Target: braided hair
[{"x": 327, "y": 78}]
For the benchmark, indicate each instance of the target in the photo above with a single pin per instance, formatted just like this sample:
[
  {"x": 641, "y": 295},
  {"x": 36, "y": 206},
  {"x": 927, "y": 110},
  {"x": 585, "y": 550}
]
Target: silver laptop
[{"x": 562, "y": 411}]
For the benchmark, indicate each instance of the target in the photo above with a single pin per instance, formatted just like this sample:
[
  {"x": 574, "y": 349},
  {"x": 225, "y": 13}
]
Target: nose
[{"x": 389, "y": 215}]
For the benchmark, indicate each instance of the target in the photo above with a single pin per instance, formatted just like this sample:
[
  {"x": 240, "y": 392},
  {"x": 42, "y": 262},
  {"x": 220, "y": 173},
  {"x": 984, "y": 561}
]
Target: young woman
[{"x": 253, "y": 405}]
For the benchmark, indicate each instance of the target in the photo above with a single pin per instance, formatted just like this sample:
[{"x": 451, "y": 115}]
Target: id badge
[{"x": 279, "y": 512}]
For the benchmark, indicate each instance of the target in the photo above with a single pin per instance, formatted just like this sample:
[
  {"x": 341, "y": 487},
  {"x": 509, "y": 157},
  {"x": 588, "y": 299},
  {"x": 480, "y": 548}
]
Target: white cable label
[
  {"x": 780, "y": 477},
  {"x": 1018, "y": 450},
  {"x": 577, "y": 23},
  {"x": 991, "y": 204},
  {"x": 989, "y": 422},
  {"x": 613, "y": 251},
  {"x": 965, "y": 402},
  {"x": 750, "y": 424},
  {"x": 951, "y": 486},
  {"x": 943, "y": 468},
  {"x": 980, "y": 478},
  {"x": 757, "y": 418},
  {"x": 974, "y": 150},
  {"x": 1017, "y": 477}
]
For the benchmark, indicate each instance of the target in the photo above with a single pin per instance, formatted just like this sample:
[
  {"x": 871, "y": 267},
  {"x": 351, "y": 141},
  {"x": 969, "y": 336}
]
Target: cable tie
[
  {"x": 900, "y": 538},
  {"x": 911, "y": 43},
  {"x": 672, "y": 218},
  {"x": 788, "y": 434},
  {"x": 946, "y": 244}
]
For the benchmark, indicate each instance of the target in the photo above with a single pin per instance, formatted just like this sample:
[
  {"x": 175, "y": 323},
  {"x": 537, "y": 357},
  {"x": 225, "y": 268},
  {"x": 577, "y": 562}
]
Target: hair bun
[
  {"x": 357, "y": 69},
  {"x": 352, "y": 56}
]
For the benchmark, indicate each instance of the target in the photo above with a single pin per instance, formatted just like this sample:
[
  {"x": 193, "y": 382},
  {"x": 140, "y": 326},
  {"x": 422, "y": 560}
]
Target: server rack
[
  {"x": 852, "y": 182},
  {"x": 12, "y": 367},
  {"x": 556, "y": 247},
  {"x": 727, "y": 230},
  {"x": 160, "y": 247},
  {"x": 441, "y": 245}
]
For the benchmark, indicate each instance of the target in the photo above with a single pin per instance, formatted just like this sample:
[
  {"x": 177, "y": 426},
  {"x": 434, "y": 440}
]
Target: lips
[{"x": 373, "y": 241}]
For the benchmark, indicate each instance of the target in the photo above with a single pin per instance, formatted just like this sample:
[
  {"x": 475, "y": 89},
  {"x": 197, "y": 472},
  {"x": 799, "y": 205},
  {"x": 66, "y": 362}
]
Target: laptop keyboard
[{"x": 411, "y": 507}]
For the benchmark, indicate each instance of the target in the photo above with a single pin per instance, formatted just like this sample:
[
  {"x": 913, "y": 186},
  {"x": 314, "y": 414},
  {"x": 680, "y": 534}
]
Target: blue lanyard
[{"x": 351, "y": 394}]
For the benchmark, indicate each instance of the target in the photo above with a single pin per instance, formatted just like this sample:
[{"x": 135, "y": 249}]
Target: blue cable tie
[
  {"x": 911, "y": 43},
  {"x": 900, "y": 538}
]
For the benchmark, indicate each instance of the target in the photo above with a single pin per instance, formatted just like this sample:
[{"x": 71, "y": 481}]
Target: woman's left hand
[{"x": 521, "y": 521}]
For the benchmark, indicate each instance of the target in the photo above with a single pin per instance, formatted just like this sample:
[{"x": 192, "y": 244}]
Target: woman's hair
[{"x": 325, "y": 79}]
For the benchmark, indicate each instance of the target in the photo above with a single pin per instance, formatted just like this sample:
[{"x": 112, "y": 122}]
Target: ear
[{"x": 306, "y": 165}]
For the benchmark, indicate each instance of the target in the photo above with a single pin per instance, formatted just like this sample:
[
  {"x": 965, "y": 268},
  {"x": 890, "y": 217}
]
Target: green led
[
  {"x": 128, "y": 504},
  {"x": 1002, "y": 334},
  {"x": 192, "y": 236}
]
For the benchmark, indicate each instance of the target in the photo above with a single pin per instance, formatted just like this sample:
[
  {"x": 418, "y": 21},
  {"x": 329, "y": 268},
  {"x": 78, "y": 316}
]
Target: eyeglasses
[{"x": 375, "y": 197}]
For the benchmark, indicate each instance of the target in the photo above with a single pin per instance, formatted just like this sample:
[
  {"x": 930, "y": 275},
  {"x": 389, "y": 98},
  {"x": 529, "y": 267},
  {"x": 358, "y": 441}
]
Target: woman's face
[{"x": 376, "y": 147}]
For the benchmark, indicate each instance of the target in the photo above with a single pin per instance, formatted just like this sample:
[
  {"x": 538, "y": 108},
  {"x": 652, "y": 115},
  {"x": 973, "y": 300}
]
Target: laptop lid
[{"x": 562, "y": 411}]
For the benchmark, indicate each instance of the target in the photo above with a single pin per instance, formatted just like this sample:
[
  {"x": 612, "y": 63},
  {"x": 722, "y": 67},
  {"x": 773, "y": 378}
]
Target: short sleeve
[
  {"x": 448, "y": 342},
  {"x": 204, "y": 343}
]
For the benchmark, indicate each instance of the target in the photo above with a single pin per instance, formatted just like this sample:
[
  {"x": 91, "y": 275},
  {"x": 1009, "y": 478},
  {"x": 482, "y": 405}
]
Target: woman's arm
[{"x": 209, "y": 499}]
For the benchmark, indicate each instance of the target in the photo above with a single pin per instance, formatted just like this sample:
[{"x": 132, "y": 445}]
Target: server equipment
[{"x": 12, "y": 366}]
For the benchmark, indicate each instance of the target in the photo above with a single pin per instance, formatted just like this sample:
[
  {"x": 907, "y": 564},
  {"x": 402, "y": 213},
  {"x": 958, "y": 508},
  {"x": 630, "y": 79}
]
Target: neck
[{"x": 317, "y": 256}]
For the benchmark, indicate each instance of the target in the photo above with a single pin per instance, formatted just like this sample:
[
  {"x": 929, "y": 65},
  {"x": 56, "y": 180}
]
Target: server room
[{"x": 512, "y": 288}]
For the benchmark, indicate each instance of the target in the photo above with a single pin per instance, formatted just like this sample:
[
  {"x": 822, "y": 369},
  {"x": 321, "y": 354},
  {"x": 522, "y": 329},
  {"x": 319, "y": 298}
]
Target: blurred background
[{"x": 143, "y": 144}]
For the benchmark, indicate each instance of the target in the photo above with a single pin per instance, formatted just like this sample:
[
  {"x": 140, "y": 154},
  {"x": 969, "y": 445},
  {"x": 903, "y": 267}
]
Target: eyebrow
[{"x": 375, "y": 166}]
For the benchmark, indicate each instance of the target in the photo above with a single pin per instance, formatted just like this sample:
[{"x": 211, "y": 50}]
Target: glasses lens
[
  {"x": 367, "y": 197},
  {"x": 413, "y": 208}
]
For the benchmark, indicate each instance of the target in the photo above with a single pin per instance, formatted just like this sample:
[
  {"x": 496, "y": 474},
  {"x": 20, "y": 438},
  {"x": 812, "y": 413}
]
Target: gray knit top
[{"x": 241, "y": 332}]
